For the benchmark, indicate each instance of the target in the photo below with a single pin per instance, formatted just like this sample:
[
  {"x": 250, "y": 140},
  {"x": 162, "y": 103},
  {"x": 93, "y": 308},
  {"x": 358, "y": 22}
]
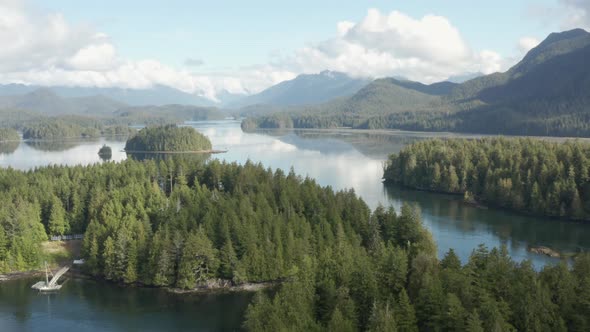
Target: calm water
[
  {"x": 95, "y": 306},
  {"x": 341, "y": 159}
]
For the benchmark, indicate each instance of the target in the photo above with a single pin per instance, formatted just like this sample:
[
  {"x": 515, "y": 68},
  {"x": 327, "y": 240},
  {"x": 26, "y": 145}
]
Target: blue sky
[
  {"x": 226, "y": 34},
  {"x": 246, "y": 46}
]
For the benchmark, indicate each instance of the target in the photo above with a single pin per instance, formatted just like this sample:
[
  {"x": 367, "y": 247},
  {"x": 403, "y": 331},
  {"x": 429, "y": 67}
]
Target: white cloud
[
  {"x": 96, "y": 57},
  {"x": 41, "y": 48},
  {"x": 525, "y": 44},
  {"x": 577, "y": 14},
  {"x": 426, "y": 49},
  {"x": 563, "y": 14}
]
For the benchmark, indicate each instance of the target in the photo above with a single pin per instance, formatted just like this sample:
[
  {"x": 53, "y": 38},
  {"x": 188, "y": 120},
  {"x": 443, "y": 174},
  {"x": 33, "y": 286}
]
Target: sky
[{"x": 208, "y": 47}]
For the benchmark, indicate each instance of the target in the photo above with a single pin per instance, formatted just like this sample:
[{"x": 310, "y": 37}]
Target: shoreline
[
  {"x": 480, "y": 205},
  {"x": 177, "y": 152},
  {"x": 418, "y": 133},
  {"x": 19, "y": 275},
  {"x": 209, "y": 287}
]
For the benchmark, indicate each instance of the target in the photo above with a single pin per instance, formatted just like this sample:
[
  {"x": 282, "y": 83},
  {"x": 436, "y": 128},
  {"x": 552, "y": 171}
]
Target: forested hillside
[
  {"x": 71, "y": 127},
  {"x": 168, "y": 138},
  {"x": 8, "y": 135},
  {"x": 342, "y": 268},
  {"x": 546, "y": 93},
  {"x": 305, "y": 89},
  {"x": 527, "y": 175}
]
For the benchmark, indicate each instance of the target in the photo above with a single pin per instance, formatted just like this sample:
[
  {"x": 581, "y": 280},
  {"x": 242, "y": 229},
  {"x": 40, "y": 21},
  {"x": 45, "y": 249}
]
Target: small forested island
[
  {"x": 527, "y": 175},
  {"x": 105, "y": 152},
  {"x": 8, "y": 135},
  {"x": 338, "y": 266},
  {"x": 168, "y": 138}
]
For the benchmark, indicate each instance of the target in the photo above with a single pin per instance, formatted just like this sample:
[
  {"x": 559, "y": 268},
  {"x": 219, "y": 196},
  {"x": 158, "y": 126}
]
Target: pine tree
[
  {"x": 405, "y": 316},
  {"x": 474, "y": 323},
  {"x": 93, "y": 261},
  {"x": 57, "y": 221},
  {"x": 451, "y": 260},
  {"x": 3, "y": 244},
  {"x": 339, "y": 323},
  {"x": 454, "y": 315},
  {"x": 130, "y": 275},
  {"x": 198, "y": 261},
  {"x": 452, "y": 180},
  {"x": 108, "y": 257},
  {"x": 436, "y": 177},
  {"x": 382, "y": 319},
  {"x": 228, "y": 260},
  {"x": 430, "y": 305}
]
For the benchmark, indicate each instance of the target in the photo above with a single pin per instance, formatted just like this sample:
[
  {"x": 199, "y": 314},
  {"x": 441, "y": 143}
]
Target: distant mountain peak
[
  {"x": 564, "y": 35},
  {"x": 42, "y": 92},
  {"x": 556, "y": 44},
  {"x": 331, "y": 74},
  {"x": 305, "y": 89}
]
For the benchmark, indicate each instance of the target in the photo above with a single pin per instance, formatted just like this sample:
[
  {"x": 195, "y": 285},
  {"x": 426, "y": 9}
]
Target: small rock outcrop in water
[{"x": 544, "y": 251}]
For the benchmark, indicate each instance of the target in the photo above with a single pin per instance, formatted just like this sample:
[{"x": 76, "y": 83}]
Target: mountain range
[
  {"x": 157, "y": 95},
  {"x": 47, "y": 102},
  {"x": 305, "y": 89},
  {"x": 546, "y": 93}
]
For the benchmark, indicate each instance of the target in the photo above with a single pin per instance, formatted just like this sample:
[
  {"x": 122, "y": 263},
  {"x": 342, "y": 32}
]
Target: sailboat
[{"x": 50, "y": 285}]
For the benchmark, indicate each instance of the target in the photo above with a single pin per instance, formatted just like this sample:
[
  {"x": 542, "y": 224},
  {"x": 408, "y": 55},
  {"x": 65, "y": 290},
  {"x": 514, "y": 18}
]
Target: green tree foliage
[
  {"x": 382, "y": 319},
  {"x": 55, "y": 128},
  {"x": 175, "y": 223},
  {"x": 57, "y": 218},
  {"x": 527, "y": 175},
  {"x": 168, "y": 138},
  {"x": 198, "y": 261},
  {"x": 105, "y": 152},
  {"x": 8, "y": 135}
]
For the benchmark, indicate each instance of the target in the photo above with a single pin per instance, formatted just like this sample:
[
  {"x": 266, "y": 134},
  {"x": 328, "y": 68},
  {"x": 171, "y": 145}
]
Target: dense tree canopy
[
  {"x": 54, "y": 129},
  {"x": 168, "y": 138},
  {"x": 8, "y": 135},
  {"x": 343, "y": 268},
  {"x": 71, "y": 127},
  {"x": 528, "y": 175}
]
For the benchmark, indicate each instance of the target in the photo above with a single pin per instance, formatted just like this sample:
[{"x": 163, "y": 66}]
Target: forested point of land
[
  {"x": 528, "y": 175},
  {"x": 343, "y": 268},
  {"x": 168, "y": 138},
  {"x": 8, "y": 135},
  {"x": 58, "y": 129}
]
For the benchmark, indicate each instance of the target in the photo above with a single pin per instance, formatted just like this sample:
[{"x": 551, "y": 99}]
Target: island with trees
[
  {"x": 338, "y": 266},
  {"x": 105, "y": 152},
  {"x": 168, "y": 139},
  {"x": 528, "y": 175}
]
